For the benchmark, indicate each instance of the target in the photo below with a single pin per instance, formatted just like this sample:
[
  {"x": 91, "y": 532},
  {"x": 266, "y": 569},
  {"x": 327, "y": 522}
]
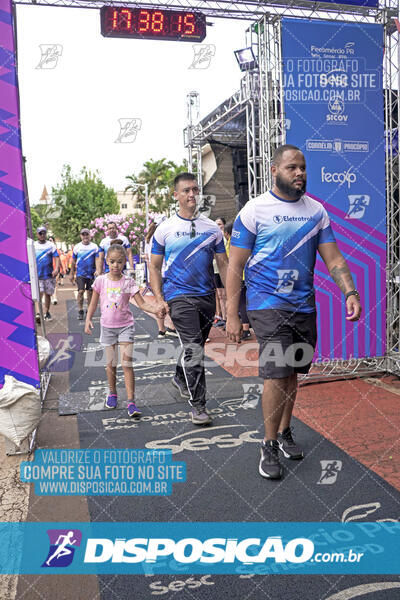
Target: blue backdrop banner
[{"x": 333, "y": 100}]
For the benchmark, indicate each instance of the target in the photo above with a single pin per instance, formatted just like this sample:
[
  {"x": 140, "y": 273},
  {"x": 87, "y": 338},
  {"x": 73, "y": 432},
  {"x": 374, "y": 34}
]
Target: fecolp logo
[
  {"x": 346, "y": 177},
  {"x": 62, "y": 547},
  {"x": 191, "y": 550}
]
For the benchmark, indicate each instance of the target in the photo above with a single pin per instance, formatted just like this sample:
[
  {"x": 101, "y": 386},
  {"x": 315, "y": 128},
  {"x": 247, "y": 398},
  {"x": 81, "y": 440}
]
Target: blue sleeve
[
  {"x": 241, "y": 236},
  {"x": 326, "y": 235},
  {"x": 157, "y": 248},
  {"x": 220, "y": 247}
]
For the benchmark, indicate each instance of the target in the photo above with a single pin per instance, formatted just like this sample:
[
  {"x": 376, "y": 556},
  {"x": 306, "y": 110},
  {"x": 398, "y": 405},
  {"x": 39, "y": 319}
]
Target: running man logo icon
[
  {"x": 65, "y": 347},
  {"x": 49, "y": 55},
  {"x": 203, "y": 54},
  {"x": 205, "y": 204},
  {"x": 128, "y": 130},
  {"x": 251, "y": 394},
  {"x": 330, "y": 470},
  {"x": 287, "y": 278},
  {"x": 357, "y": 205},
  {"x": 63, "y": 543}
]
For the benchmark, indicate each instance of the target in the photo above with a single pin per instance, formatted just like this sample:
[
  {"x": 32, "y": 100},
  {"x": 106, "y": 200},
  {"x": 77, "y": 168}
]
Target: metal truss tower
[{"x": 391, "y": 88}]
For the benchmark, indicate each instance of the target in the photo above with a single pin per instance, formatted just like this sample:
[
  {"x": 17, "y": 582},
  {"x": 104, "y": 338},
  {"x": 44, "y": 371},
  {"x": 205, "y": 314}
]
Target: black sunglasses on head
[{"x": 193, "y": 230}]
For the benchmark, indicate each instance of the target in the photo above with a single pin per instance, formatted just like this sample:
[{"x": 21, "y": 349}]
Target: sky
[{"x": 70, "y": 113}]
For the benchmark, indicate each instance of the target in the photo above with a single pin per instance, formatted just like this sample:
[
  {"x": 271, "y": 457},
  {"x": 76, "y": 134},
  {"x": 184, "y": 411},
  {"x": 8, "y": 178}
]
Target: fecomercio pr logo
[
  {"x": 62, "y": 547},
  {"x": 340, "y": 178}
]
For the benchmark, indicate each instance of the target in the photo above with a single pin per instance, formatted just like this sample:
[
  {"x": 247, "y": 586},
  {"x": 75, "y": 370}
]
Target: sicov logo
[
  {"x": 336, "y": 109},
  {"x": 62, "y": 550},
  {"x": 346, "y": 177}
]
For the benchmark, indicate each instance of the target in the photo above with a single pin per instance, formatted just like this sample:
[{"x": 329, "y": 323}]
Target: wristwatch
[{"x": 353, "y": 293}]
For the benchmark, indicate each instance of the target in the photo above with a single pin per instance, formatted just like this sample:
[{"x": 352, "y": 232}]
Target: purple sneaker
[
  {"x": 133, "y": 411},
  {"x": 111, "y": 401},
  {"x": 199, "y": 416}
]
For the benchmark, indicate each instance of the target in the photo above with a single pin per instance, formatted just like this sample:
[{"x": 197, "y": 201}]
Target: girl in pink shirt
[{"x": 115, "y": 290}]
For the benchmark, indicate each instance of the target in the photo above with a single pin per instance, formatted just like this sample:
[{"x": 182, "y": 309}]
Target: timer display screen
[{"x": 145, "y": 23}]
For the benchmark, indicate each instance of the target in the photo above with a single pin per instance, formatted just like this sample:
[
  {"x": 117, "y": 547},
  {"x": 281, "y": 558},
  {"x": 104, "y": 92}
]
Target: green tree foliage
[
  {"x": 159, "y": 175},
  {"x": 43, "y": 214},
  {"x": 77, "y": 201},
  {"x": 36, "y": 220}
]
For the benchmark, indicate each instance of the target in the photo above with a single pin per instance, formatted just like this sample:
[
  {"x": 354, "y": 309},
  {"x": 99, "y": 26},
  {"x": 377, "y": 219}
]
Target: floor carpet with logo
[{"x": 223, "y": 484}]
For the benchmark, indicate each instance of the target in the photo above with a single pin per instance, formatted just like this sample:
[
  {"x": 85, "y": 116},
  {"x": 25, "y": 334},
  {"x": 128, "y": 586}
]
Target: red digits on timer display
[
  {"x": 189, "y": 22},
  {"x": 142, "y": 23},
  {"x": 157, "y": 21}
]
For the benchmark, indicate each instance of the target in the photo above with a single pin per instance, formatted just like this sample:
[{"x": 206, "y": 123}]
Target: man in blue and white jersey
[
  {"x": 277, "y": 236},
  {"x": 83, "y": 268},
  {"x": 45, "y": 251},
  {"x": 189, "y": 244},
  {"x": 112, "y": 234}
]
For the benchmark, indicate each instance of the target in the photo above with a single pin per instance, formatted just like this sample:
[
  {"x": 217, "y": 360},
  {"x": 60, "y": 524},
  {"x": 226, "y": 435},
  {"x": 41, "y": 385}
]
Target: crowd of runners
[{"x": 257, "y": 271}]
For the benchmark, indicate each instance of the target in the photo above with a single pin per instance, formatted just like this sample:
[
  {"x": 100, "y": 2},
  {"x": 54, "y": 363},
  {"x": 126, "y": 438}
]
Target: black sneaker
[
  {"x": 47, "y": 316},
  {"x": 184, "y": 392},
  {"x": 161, "y": 335},
  {"x": 288, "y": 446},
  {"x": 269, "y": 465},
  {"x": 246, "y": 334},
  {"x": 81, "y": 315},
  {"x": 170, "y": 332},
  {"x": 37, "y": 317}
]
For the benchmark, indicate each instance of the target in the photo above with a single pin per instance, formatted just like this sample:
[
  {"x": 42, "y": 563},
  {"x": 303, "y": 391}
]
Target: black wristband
[{"x": 353, "y": 293}]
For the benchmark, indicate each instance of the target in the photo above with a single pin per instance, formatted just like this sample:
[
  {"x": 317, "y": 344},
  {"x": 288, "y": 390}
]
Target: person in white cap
[{"x": 45, "y": 252}]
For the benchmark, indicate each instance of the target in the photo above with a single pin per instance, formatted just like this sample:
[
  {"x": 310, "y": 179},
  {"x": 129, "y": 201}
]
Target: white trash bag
[
  {"x": 44, "y": 350},
  {"x": 20, "y": 409}
]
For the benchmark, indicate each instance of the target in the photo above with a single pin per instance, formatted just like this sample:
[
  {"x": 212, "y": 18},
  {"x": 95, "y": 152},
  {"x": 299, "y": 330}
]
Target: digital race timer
[{"x": 146, "y": 23}]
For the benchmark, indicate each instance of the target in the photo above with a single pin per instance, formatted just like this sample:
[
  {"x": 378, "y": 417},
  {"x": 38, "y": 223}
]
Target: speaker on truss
[{"x": 240, "y": 176}]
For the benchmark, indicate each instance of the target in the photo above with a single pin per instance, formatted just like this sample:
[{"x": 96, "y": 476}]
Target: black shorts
[
  {"x": 84, "y": 283},
  {"x": 218, "y": 281},
  {"x": 287, "y": 341}
]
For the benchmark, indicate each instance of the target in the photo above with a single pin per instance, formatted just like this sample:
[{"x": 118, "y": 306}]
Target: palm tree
[{"x": 159, "y": 175}]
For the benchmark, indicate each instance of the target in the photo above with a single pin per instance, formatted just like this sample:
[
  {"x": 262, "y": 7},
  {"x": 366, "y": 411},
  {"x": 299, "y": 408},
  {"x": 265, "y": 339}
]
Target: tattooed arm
[{"x": 340, "y": 273}]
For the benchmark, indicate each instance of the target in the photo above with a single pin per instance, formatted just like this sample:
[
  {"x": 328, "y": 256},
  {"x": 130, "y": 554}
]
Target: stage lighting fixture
[{"x": 246, "y": 59}]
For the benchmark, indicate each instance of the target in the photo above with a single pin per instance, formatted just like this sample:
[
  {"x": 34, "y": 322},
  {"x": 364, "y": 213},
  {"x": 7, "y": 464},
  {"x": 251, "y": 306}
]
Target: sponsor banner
[
  {"x": 103, "y": 472},
  {"x": 19, "y": 357},
  {"x": 334, "y": 100},
  {"x": 200, "y": 548}
]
